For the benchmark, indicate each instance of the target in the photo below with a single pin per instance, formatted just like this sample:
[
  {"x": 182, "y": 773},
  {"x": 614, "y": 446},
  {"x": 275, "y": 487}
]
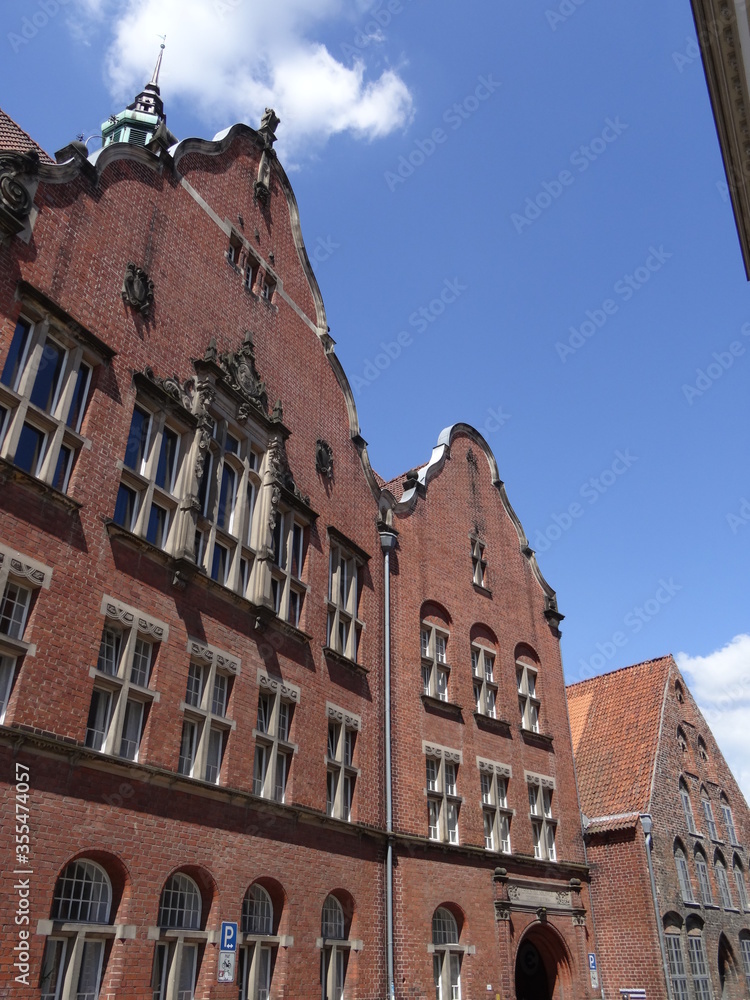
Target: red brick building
[
  {"x": 206, "y": 596},
  {"x": 667, "y": 832}
]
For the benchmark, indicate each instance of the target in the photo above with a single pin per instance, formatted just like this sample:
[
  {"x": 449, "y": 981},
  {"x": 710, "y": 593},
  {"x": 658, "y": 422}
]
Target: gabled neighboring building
[{"x": 668, "y": 838}]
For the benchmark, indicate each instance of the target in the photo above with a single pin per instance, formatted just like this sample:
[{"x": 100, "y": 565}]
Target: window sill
[
  {"x": 11, "y": 472},
  {"x": 541, "y": 740},
  {"x": 16, "y": 647},
  {"x": 693, "y": 903},
  {"x": 266, "y": 618},
  {"x": 441, "y": 707},
  {"x": 344, "y": 661},
  {"x": 493, "y": 725},
  {"x": 482, "y": 590}
]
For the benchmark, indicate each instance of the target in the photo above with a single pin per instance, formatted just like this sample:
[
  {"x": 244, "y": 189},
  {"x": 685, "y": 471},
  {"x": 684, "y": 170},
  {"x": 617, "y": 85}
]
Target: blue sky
[{"x": 553, "y": 170}]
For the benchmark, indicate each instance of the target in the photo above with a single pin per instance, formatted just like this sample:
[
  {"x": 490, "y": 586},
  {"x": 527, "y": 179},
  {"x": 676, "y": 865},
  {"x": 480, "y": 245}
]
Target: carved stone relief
[
  {"x": 137, "y": 289},
  {"x": 17, "y": 171}
]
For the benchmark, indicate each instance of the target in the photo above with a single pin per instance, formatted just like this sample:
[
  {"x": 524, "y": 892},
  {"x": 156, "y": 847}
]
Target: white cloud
[
  {"x": 720, "y": 683},
  {"x": 232, "y": 58}
]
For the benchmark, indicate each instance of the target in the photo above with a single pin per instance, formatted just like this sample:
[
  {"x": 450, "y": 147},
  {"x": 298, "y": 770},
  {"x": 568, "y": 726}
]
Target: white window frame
[
  {"x": 436, "y": 670},
  {"x": 344, "y": 628},
  {"x": 728, "y": 817},
  {"x": 241, "y": 533},
  {"x": 745, "y": 953},
  {"x": 722, "y": 880},
  {"x": 704, "y": 881},
  {"x": 447, "y": 954},
  {"x": 541, "y": 788},
  {"x": 687, "y": 806},
  {"x": 177, "y": 948},
  {"x": 334, "y": 954},
  {"x": 676, "y": 962},
  {"x": 288, "y": 592},
  {"x": 708, "y": 815},
  {"x": 441, "y": 784},
  {"x": 202, "y": 723},
  {"x": 71, "y": 943},
  {"x": 527, "y": 678},
  {"x": 272, "y": 743},
  {"x": 699, "y": 966},
  {"x": 17, "y": 571},
  {"x": 341, "y": 774},
  {"x": 134, "y": 631},
  {"x": 683, "y": 875},
  {"x": 496, "y": 814},
  {"x": 739, "y": 878},
  {"x": 17, "y": 388},
  {"x": 483, "y": 664}
]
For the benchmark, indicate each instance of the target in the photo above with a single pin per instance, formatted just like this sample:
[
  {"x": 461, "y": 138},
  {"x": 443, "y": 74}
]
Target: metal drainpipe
[
  {"x": 388, "y": 542},
  {"x": 647, "y": 825}
]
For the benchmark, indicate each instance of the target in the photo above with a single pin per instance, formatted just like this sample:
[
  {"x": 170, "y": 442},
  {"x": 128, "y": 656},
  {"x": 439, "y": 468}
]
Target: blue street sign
[
  {"x": 592, "y": 961},
  {"x": 228, "y": 936}
]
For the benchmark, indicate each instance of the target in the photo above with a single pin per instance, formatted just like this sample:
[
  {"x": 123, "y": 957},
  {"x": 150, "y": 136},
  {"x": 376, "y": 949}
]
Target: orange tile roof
[
  {"x": 615, "y": 720},
  {"x": 13, "y": 137}
]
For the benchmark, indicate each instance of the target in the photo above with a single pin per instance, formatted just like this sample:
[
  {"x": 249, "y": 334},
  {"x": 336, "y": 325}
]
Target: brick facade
[{"x": 192, "y": 571}]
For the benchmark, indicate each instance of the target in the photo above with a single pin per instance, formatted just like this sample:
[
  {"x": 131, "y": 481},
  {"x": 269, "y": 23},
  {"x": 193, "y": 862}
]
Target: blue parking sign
[{"x": 228, "y": 936}]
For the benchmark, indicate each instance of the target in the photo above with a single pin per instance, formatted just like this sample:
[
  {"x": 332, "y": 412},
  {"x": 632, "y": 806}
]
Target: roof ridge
[{"x": 619, "y": 670}]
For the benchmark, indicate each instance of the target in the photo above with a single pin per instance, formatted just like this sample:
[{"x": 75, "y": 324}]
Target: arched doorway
[
  {"x": 543, "y": 970},
  {"x": 531, "y": 974}
]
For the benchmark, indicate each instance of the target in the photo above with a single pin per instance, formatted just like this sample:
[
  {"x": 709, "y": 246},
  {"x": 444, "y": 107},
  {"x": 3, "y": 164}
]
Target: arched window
[
  {"x": 180, "y": 908},
  {"x": 702, "y": 752},
  {"x": 527, "y": 671},
  {"x": 745, "y": 952},
  {"x": 739, "y": 878},
  {"x": 675, "y": 956},
  {"x": 701, "y": 867},
  {"x": 723, "y": 882},
  {"x": 257, "y": 911},
  {"x": 256, "y": 958},
  {"x": 483, "y": 672},
  {"x": 687, "y": 806},
  {"x": 683, "y": 874},
  {"x": 726, "y": 813},
  {"x": 83, "y": 895},
  {"x": 681, "y": 739},
  {"x": 446, "y": 960},
  {"x": 708, "y": 813},
  {"x": 332, "y": 922},
  {"x": 679, "y": 694},
  {"x": 180, "y": 905},
  {"x": 434, "y": 638},
  {"x": 698, "y": 963},
  {"x": 335, "y": 955}
]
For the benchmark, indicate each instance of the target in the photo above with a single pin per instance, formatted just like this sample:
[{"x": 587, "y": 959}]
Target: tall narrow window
[
  {"x": 341, "y": 774},
  {"x": 699, "y": 966},
  {"x": 683, "y": 875},
  {"x": 443, "y": 801},
  {"x": 335, "y": 954},
  {"x": 528, "y": 702},
  {"x": 708, "y": 813},
  {"x": 257, "y": 957},
  {"x": 205, "y": 729},
  {"x": 478, "y": 563},
  {"x": 83, "y": 895},
  {"x": 435, "y": 669},
  {"x": 175, "y": 968},
  {"x": 726, "y": 813},
  {"x": 723, "y": 883},
  {"x": 273, "y": 750},
  {"x": 687, "y": 806},
  {"x": 543, "y": 825},
  {"x": 447, "y": 955},
  {"x": 483, "y": 680},
  {"x": 701, "y": 868},
  {"x": 44, "y": 388},
  {"x": 739, "y": 879},
  {"x": 745, "y": 952},
  {"x": 495, "y": 812},
  {"x": 344, "y": 582},
  {"x": 676, "y": 966},
  {"x": 289, "y": 549}
]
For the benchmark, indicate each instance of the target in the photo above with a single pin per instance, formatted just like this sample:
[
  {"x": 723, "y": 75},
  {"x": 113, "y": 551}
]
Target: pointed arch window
[
  {"x": 699, "y": 965},
  {"x": 676, "y": 962},
  {"x": 739, "y": 878},
  {"x": 687, "y": 806},
  {"x": 723, "y": 883},
  {"x": 708, "y": 813},
  {"x": 745, "y": 952},
  {"x": 701, "y": 868},
  {"x": 73, "y": 964},
  {"x": 683, "y": 875},
  {"x": 726, "y": 812}
]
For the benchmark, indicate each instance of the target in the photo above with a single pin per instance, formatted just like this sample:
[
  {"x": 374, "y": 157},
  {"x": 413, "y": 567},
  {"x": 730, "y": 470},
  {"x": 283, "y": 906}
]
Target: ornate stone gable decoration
[
  {"x": 181, "y": 393},
  {"x": 15, "y": 198},
  {"x": 281, "y": 472},
  {"x": 137, "y": 289},
  {"x": 324, "y": 458},
  {"x": 240, "y": 373},
  {"x": 267, "y": 131}
]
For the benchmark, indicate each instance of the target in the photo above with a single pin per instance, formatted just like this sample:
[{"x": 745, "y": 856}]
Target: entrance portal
[{"x": 531, "y": 975}]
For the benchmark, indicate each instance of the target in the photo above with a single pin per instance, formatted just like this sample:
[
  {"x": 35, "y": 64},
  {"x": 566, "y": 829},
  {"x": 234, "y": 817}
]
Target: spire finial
[{"x": 154, "y": 81}]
